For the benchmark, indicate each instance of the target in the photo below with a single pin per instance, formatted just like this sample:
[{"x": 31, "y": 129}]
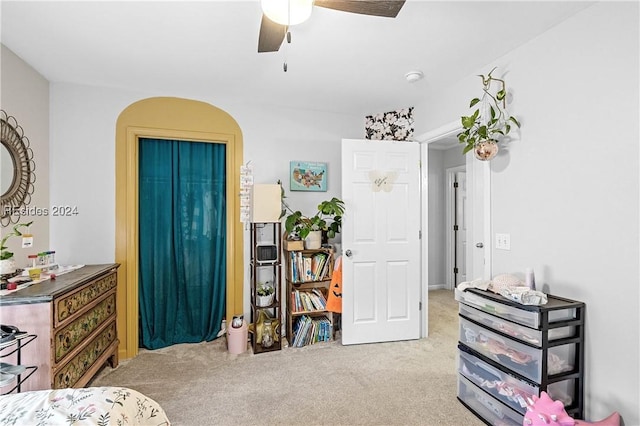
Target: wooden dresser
[{"x": 74, "y": 317}]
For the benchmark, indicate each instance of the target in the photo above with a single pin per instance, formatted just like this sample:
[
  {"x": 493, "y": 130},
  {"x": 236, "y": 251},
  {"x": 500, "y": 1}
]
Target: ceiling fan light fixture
[{"x": 287, "y": 12}]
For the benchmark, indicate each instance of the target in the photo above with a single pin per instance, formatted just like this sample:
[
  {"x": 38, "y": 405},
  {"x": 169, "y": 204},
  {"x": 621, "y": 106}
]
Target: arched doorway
[{"x": 174, "y": 118}]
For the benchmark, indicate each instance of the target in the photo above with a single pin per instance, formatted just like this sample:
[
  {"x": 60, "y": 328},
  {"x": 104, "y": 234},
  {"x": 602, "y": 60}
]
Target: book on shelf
[
  {"x": 308, "y": 300},
  {"x": 309, "y": 330},
  {"x": 319, "y": 260},
  {"x": 308, "y": 275},
  {"x": 320, "y": 298},
  {"x": 309, "y": 267}
]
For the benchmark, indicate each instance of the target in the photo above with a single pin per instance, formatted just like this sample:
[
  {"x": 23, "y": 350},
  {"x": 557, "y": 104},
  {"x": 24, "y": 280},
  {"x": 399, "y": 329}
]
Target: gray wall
[
  {"x": 25, "y": 96},
  {"x": 568, "y": 189}
]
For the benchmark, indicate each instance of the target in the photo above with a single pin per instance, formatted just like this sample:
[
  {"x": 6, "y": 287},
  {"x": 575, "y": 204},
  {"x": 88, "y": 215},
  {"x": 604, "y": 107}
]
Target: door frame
[
  {"x": 436, "y": 135},
  {"x": 182, "y": 119},
  {"x": 450, "y": 201},
  {"x": 449, "y": 131}
]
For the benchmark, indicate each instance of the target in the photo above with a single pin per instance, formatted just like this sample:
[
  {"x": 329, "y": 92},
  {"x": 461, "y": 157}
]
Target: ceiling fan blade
[
  {"x": 385, "y": 8},
  {"x": 271, "y": 35}
]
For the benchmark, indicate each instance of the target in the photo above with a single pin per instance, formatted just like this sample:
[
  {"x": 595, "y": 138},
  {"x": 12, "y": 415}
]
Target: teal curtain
[{"x": 182, "y": 241}]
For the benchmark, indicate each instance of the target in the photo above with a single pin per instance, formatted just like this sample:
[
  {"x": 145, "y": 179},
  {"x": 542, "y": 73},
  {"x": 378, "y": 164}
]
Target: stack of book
[
  {"x": 306, "y": 301},
  {"x": 314, "y": 267},
  {"x": 308, "y": 330}
]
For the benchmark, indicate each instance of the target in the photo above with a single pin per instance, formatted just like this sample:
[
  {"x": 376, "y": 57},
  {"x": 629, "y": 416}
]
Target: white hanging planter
[{"x": 486, "y": 150}]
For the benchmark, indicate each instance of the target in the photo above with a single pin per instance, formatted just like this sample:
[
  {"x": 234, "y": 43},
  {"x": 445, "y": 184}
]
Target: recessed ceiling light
[{"x": 413, "y": 76}]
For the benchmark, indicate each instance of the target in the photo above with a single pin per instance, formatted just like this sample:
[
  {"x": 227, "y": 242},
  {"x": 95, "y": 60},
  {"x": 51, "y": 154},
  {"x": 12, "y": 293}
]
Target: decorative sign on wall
[
  {"x": 394, "y": 125},
  {"x": 246, "y": 182},
  {"x": 306, "y": 176},
  {"x": 382, "y": 181}
]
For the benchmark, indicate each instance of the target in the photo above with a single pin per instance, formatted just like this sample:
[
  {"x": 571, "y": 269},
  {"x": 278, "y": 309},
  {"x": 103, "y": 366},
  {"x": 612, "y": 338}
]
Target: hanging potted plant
[
  {"x": 7, "y": 263},
  {"x": 483, "y": 129}
]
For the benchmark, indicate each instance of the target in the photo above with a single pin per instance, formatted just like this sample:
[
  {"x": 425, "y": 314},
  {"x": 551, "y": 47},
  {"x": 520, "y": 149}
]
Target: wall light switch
[{"x": 503, "y": 241}]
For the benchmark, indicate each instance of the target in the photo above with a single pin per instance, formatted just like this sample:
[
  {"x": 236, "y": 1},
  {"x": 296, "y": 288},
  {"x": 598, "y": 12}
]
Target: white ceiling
[{"x": 337, "y": 61}]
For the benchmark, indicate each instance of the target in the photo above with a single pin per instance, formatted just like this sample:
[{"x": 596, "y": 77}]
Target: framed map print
[{"x": 308, "y": 176}]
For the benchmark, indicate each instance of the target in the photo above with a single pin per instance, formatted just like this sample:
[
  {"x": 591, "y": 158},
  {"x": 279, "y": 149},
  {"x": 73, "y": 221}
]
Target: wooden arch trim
[{"x": 180, "y": 119}]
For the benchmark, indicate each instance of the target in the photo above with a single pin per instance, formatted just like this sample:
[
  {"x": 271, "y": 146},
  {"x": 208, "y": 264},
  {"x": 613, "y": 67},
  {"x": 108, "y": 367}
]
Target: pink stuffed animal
[{"x": 544, "y": 411}]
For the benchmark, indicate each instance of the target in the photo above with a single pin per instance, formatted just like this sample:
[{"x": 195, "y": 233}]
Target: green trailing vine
[
  {"x": 4, "y": 253},
  {"x": 476, "y": 127}
]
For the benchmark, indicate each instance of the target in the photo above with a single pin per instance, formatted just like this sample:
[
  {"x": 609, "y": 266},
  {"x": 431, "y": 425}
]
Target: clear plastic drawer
[
  {"x": 484, "y": 405},
  {"x": 513, "y": 392},
  {"x": 528, "y": 318},
  {"x": 522, "y": 333},
  {"x": 508, "y": 389},
  {"x": 514, "y": 355}
]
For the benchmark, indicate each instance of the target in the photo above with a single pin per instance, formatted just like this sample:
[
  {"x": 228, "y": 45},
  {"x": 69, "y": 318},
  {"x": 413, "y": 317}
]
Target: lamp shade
[
  {"x": 266, "y": 203},
  {"x": 287, "y": 12}
]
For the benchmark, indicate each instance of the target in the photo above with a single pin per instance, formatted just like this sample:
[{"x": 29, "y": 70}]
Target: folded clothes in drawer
[
  {"x": 516, "y": 356},
  {"x": 521, "y": 315},
  {"x": 520, "y": 332},
  {"x": 485, "y": 406},
  {"x": 528, "y": 318},
  {"x": 511, "y": 391},
  {"x": 508, "y": 389}
]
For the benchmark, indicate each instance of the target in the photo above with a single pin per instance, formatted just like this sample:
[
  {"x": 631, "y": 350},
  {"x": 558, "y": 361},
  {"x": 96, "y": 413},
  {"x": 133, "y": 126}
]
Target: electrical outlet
[{"x": 503, "y": 241}]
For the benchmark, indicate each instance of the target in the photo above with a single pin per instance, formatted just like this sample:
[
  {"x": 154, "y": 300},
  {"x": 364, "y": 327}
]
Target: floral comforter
[{"x": 100, "y": 406}]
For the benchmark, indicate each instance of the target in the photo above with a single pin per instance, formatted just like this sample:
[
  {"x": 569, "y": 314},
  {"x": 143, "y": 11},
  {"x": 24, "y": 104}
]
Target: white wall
[
  {"x": 83, "y": 123},
  {"x": 568, "y": 190},
  {"x": 83, "y": 159},
  {"x": 25, "y": 96}
]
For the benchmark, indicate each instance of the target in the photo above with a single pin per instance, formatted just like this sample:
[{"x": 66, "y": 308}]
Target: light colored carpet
[{"x": 399, "y": 383}]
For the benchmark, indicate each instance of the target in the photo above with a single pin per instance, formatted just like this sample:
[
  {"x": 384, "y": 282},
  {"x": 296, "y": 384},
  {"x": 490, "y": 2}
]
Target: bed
[{"x": 100, "y": 406}]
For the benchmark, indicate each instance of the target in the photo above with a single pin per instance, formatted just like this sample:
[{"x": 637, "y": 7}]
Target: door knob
[
  {"x": 348, "y": 253},
  {"x": 479, "y": 245}
]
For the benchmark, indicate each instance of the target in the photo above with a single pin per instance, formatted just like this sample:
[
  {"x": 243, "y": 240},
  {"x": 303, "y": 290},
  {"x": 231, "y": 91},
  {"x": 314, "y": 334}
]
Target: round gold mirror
[{"x": 16, "y": 170}]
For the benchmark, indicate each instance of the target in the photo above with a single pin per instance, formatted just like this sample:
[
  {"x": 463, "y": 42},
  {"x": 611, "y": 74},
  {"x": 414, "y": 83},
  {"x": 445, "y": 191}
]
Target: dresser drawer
[
  {"x": 71, "y": 371},
  {"x": 518, "y": 315},
  {"x": 67, "y": 306},
  {"x": 74, "y": 334},
  {"x": 517, "y": 331},
  {"x": 484, "y": 405},
  {"x": 518, "y": 357}
]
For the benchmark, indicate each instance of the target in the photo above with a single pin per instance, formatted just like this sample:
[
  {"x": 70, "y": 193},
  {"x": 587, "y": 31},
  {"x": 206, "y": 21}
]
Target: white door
[
  {"x": 479, "y": 205},
  {"x": 380, "y": 241},
  {"x": 461, "y": 218}
]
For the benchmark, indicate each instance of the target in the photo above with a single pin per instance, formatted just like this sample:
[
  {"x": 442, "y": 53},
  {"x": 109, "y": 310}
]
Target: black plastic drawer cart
[{"x": 508, "y": 352}]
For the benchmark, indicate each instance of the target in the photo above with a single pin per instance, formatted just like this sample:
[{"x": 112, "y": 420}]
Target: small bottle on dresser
[{"x": 529, "y": 278}]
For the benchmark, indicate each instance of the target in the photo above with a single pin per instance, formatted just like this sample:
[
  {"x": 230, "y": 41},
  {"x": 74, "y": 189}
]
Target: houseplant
[
  {"x": 483, "y": 129},
  {"x": 327, "y": 220},
  {"x": 264, "y": 294},
  {"x": 7, "y": 263}
]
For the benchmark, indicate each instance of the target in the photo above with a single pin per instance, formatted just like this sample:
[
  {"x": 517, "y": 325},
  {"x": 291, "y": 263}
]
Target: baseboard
[{"x": 437, "y": 287}]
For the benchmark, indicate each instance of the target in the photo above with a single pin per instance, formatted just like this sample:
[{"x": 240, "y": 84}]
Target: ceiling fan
[{"x": 278, "y": 15}]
